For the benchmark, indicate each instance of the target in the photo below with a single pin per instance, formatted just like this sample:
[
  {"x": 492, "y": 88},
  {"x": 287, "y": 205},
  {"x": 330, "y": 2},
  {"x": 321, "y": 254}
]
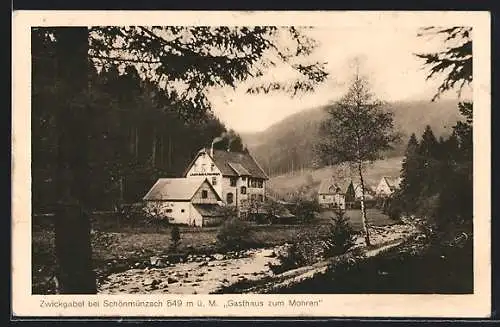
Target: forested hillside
[
  {"x": 289, "y": 145},
  {"x": 137, "y": 132}
]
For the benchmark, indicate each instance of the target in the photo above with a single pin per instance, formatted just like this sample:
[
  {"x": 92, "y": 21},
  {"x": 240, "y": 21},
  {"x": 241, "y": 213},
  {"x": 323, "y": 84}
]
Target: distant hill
[{"x": 287, "y": 146}]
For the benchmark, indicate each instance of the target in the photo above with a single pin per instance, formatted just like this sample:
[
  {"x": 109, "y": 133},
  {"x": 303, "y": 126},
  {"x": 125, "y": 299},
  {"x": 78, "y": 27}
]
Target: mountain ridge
[{"x": 287, "y": 145}]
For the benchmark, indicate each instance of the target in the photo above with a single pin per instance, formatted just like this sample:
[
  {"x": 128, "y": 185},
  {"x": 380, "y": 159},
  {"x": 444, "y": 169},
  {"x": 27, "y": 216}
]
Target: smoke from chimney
[{"x": 216, "y": 140}]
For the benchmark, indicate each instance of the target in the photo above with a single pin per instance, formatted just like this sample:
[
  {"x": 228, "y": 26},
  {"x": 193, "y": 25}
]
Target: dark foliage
[
  {"x": 234, "y": 234},
  {"x": 455, "y": 61},
  {"x": 305, "y": 210},
  {"x": 175, "y": 237},
  {"x": 402, "y": 270},
  {"x": 342, "y": 236},
  {"x": 305, "y": 251}
]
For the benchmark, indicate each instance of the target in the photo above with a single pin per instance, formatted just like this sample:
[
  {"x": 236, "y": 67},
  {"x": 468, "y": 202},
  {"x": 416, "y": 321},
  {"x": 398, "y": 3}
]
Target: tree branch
[{"x": 125, "y": 60}]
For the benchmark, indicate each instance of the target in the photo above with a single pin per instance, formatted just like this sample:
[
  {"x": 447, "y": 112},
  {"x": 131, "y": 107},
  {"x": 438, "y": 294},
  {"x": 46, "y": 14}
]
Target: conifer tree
[
  {"x": 428, "y": 152},
  {"x": 410, "y": 182}
]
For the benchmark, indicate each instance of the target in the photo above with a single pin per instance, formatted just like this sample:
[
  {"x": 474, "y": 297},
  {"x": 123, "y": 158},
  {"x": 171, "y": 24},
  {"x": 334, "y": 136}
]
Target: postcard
[{"x": 251, "y": 164}]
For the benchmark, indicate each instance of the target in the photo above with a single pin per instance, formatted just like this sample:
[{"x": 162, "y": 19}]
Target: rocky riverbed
[
  {"x": 204, "y": 274},
  {"x": 200, "y": 275}
]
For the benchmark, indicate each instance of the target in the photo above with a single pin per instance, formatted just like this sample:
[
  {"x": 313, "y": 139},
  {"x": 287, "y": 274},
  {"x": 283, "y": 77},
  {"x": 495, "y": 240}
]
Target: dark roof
[
  {"x": 174, "y": 189},
  {"x": 241, "y": 163},
  {"x": 239, "y": 169},
  {"x": 208, "y": 210}
]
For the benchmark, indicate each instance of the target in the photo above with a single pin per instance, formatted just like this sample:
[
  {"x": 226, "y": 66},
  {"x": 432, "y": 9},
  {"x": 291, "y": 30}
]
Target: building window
[
  {"x": 233, "y": 181},
  {"x": 229, "y": 198},
  {"x": 243, "y": 190},
  {"x": 261, "y": 198},
  {"x": 214, "y": 180},
  {"x": 261, "y": 183},
  {"x": 323, "y": 197},
  {"x": 253, "y": 197},
  {"x": 168, "y": 210},
  {"x": 243, "y": 178},
  {"x": 182, "y": 210},
  {"x": 204, "y": 194},
  {"x": 212, "y": 167}
]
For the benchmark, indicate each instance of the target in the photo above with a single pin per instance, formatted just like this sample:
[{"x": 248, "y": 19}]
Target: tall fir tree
[
  {"x": 410, "y": 181},
  {"x": 428, "y": 153}
]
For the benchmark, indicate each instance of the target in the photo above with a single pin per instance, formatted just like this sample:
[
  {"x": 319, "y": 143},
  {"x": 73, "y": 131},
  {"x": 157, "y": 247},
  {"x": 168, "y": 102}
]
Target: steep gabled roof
[
  {"x": 392, "y": 182},
  {"x": 175, "y": 189},
  {"x": 329, "y": 187},
  {"x": 243, "y": 162}
]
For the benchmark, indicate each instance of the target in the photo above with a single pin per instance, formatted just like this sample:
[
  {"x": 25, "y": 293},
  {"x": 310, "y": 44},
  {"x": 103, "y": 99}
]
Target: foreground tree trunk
[
  {"x": 72, "y": 223},
  {"x": 364, "y": 221}
]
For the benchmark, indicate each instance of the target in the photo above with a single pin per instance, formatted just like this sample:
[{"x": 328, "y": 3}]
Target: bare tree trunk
[
  {"x": 364, "y": 220},
  {"x": 136, "y": 143},
  {"x": 169, "y": 151},
  {"x": 75, "y": 274},
  {"x": 121, "y": 190},
  {"x": 153, "y": 150},
  {"x": 132, "y": 141},
  {"x": 162, "y": 155}
]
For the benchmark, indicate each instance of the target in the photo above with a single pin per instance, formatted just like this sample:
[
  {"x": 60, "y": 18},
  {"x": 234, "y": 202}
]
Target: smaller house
[
  {"x": 354, "y": 192},
  {"x": 331, "y": 195},
  {"x": 184, "y": 201},
  {"x": 387, "y": 186}
]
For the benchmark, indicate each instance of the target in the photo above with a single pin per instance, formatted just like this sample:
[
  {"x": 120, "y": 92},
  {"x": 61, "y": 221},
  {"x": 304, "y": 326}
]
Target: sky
[{"x": 387, "y": 59}]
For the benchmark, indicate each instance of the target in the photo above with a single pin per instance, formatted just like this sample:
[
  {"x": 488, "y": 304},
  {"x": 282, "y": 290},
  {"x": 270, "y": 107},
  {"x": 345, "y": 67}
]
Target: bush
[
  {"x": 175, "y": 237},
  {"x": 395, "y": 209},
  {"x": 341, "y": 237},
  {"x": 292, "y": 258},
  {"x": 234, "y": 234},
  {"x": 305, "y": 210},
  {"x": 305, "y": 251}
]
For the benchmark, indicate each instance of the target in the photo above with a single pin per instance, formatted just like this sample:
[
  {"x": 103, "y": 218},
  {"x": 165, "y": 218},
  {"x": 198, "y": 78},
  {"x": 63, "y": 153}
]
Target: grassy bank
[{"x": 400, "y": 270}]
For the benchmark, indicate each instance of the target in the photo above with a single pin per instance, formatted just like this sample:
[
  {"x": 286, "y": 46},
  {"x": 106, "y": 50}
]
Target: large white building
[{"x": 236, "y": 177}]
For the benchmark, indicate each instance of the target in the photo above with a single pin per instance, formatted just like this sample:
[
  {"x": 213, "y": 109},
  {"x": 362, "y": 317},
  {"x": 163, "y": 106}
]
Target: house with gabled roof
[
  {"x": 387, "y": 186},
  {"x": 331, "y": 194},
  {"x": 235, "y": 176},
  {"x": 184, "y": 201},
  {"x": 355, "y": 193}
]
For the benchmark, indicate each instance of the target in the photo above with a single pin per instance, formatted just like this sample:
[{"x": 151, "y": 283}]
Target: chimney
[{"x": 215, "y": 140}]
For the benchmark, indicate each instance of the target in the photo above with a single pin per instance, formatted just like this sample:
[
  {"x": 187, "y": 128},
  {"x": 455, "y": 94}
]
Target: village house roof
[
  {"x": 239, "y": 169},
  {"x": 175, "y": 189},
  {"x": 234, "y": 164},
  {"x": 392, "y": 182},
  {"x": 329, "y": 187}
]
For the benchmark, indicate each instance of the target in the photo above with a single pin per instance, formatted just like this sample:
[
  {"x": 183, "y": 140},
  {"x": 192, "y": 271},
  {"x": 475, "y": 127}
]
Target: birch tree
[{"x": 357, "y": 132}]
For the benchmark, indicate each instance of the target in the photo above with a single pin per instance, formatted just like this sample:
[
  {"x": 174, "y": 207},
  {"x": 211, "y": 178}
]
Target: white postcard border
[{"x": 360, "y": 305}]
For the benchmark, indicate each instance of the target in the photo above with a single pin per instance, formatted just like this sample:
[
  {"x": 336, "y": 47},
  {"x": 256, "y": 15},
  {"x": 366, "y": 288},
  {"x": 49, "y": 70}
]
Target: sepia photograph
[{"x": 205, "y": 159}]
